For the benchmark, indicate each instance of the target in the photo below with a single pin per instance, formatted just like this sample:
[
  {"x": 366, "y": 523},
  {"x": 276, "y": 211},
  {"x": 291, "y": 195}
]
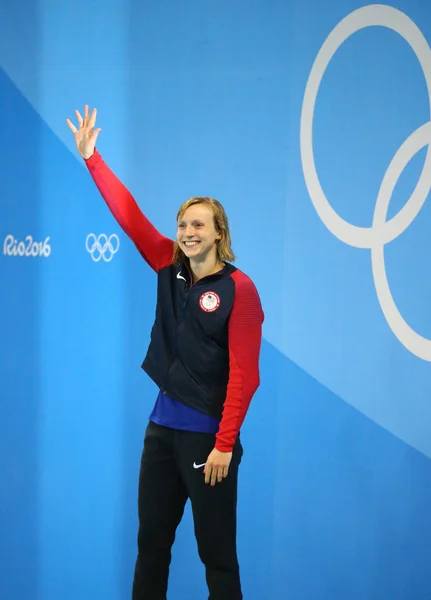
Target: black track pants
[{"x": 168, "y": 477}]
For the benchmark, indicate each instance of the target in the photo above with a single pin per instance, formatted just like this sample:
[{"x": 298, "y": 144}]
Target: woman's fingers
[
  {"x": 86, "y": 135},
  {"x": 87, "y": 122},
  {"x": 214, "y": 476},
  {"x": 94, "y": 135},
  {"x": 92, "y": 121},
  {"x": 80, "y": 119},
  {"x": 71, "y": 126}
]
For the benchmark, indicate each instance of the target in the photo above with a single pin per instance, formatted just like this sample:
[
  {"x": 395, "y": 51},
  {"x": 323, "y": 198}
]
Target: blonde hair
[{"x": 221, "y": 224}]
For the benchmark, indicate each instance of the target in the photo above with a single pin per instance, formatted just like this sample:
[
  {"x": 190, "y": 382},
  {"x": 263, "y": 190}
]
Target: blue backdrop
[{"x": 310, "y": 122}]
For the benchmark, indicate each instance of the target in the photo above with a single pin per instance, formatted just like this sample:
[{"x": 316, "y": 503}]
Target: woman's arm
[
  {"x": 153, "y": 246},
  {"x": 245, "y": 337},
  {"x": 156, "y": 249}
]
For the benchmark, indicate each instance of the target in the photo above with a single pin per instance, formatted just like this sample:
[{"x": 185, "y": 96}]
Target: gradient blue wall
[{"x": 217, "y": 98}]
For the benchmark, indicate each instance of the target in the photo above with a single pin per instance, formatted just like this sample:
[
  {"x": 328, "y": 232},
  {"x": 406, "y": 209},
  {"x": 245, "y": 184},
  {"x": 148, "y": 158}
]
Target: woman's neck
[{"x": 208, "y": 267}]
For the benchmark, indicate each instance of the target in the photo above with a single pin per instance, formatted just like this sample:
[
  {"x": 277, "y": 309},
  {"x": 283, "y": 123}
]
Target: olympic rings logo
[
  {"x": 382, "y": 231},
  {"x": 102, "y": 246}
]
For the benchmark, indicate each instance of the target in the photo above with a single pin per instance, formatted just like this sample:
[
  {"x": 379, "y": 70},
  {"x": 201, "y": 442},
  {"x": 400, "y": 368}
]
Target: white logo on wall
[
  {"x": 102, "y": 247},
  {"x": 382, "y": 231},
  {"x": 27, "y": 247}
]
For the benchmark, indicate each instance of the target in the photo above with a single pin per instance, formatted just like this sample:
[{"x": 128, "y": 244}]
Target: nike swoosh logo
[
  {"x": 195, "y": 466},
  {"x": 179, "y": 276}
]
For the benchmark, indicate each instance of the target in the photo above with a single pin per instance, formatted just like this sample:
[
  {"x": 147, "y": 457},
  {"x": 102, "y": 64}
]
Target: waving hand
[{"x": 86, "y": 135}]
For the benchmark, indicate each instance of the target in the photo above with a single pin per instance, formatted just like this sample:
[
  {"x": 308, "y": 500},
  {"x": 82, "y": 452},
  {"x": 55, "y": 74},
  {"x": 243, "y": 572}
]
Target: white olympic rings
[
  {"x": 382, "y": 231},
  {"x": 102, "y": 246}
]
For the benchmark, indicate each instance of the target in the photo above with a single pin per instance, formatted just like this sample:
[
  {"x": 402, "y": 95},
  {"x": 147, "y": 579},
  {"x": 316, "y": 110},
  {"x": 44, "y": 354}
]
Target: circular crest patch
[{"x": 209, "y": 301}]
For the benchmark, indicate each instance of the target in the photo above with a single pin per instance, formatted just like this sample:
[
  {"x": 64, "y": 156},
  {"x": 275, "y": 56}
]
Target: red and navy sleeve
[
  {"x": 155, "y": 248},
  {"x": 245, "y": 337}
]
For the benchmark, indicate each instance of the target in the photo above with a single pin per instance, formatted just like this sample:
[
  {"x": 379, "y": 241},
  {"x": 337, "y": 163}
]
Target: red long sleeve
[
  {"x": 155, "y": 248},
  {"x": 245, "y": 336}
]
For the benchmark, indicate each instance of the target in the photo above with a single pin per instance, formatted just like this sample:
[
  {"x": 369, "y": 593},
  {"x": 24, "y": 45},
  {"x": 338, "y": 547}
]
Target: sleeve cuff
[
  {"x": 94, "y": 158},
  {"x": 223, "y": 446}
]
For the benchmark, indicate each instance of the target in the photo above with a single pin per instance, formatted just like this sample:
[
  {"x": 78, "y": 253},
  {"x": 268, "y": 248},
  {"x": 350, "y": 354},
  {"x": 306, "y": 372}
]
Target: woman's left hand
[{"x": 217, "y": 466}]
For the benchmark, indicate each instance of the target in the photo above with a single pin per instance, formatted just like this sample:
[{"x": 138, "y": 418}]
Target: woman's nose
[{"x": 190, "y": 231}]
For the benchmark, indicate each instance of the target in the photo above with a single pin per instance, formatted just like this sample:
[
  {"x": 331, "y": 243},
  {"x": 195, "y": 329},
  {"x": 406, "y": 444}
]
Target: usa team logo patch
[{"x": 209, "y": 301}]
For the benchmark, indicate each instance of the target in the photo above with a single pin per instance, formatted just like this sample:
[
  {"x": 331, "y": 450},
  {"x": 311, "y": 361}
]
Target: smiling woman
[
  {"x": 203, "y": 235},
  {"x": 204, "y": 357}
]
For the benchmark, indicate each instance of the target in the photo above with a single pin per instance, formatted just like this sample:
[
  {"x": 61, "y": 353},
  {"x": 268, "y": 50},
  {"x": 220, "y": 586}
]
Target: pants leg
[
  {"x": 214, "y": 513},
  {"x": 161, "y": 500}
]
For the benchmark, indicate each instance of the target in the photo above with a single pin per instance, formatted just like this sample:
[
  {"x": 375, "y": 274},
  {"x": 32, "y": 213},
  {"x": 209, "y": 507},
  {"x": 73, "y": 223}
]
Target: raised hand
[{"x": 86, "y": 135}]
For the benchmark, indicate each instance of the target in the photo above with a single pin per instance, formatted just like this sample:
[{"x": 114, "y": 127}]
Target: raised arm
[{"x": 155, "y": 248}]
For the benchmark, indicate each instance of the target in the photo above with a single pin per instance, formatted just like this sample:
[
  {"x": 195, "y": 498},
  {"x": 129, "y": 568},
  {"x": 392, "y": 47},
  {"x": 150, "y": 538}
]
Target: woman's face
[{"x": 196, "y": 233}]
